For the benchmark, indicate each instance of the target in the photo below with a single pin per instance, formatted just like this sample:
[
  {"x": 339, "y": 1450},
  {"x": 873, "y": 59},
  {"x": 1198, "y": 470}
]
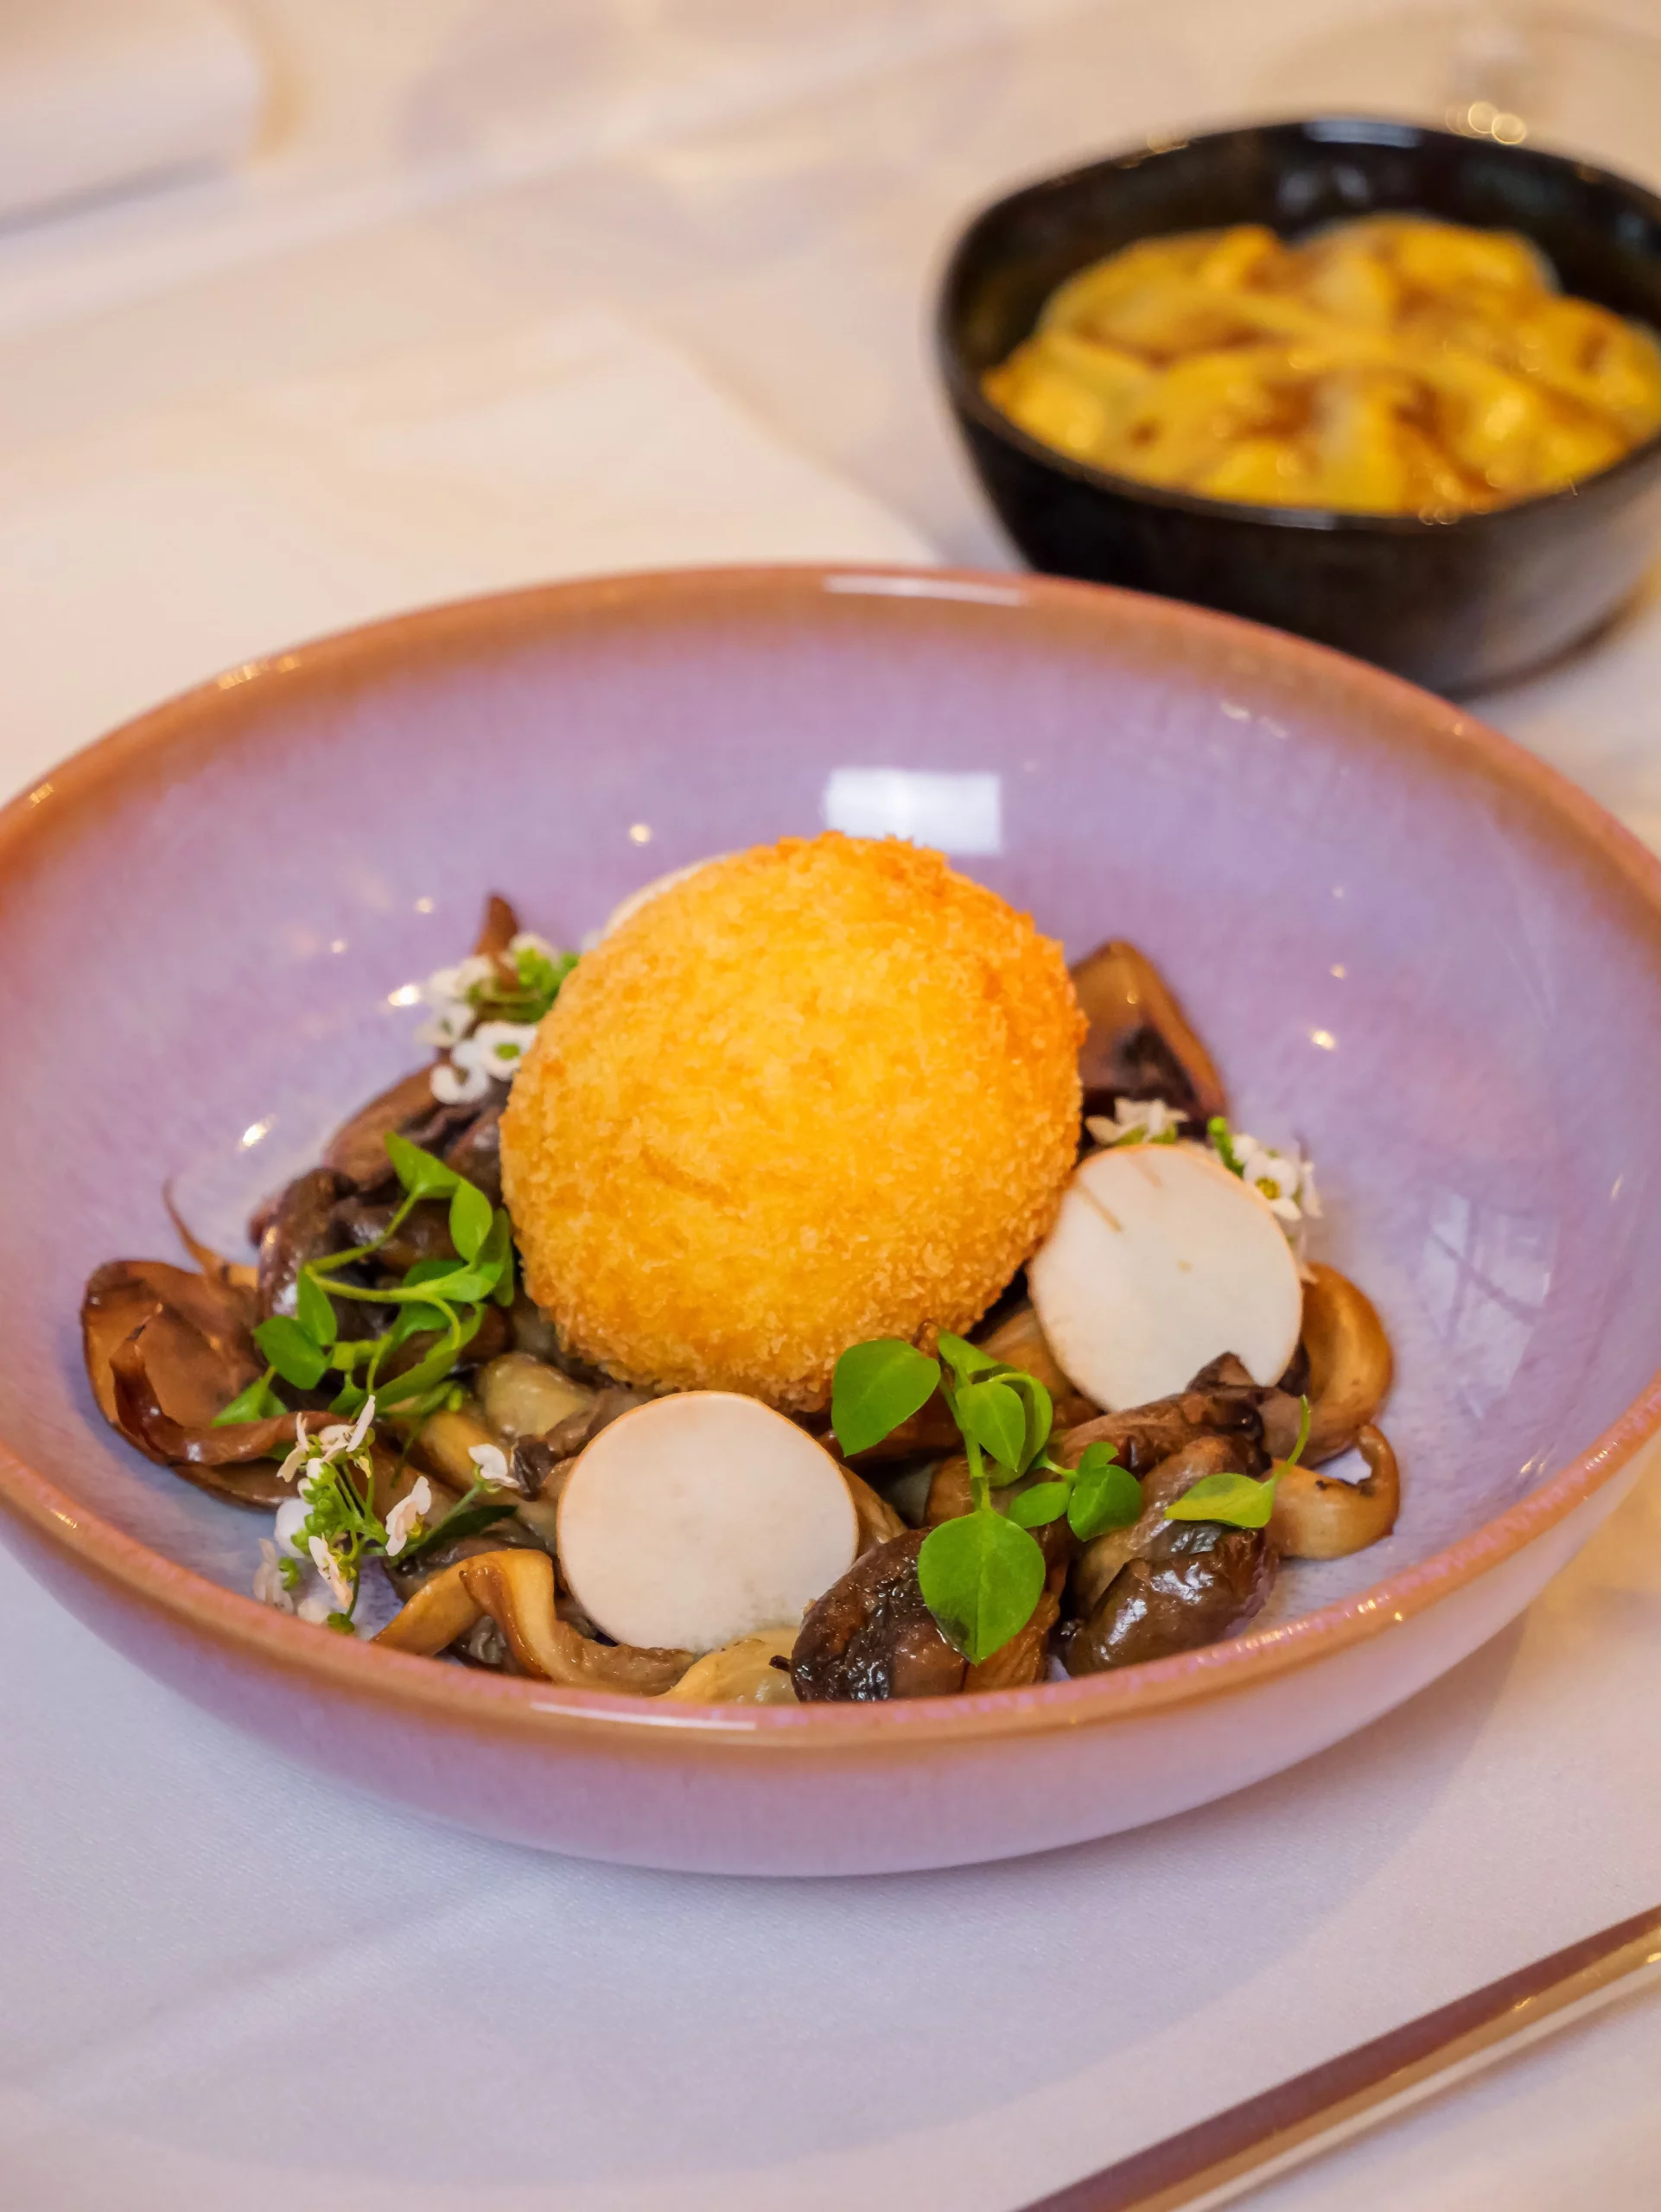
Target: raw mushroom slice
[
  {"x": 1159, "y": 1261},
  {"x": 698, "y": 1519}
]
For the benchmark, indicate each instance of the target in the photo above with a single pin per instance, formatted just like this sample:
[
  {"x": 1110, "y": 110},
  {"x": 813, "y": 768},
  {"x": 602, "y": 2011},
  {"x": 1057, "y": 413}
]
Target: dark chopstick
[{"x": 1222, "y": 2158}]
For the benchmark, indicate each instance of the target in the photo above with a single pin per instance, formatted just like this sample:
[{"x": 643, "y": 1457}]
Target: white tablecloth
[{"x": 223, "y": 1984}]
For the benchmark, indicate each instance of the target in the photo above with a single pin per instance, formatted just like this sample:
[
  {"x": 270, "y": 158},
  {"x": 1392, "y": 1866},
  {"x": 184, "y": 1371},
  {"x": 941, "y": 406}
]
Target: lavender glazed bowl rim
[{"x": 254, "y": 1633}]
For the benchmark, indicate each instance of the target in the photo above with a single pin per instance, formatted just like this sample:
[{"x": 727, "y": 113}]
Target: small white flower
[
  {"x": 291, "y": 1517},
  {"x": 528, "y": 941},
  {"x": 269, "y": 1586},
  {"x": 455, "y": 1082},
  {"x": 1275, "y": 1175},
  {"x": 1136, "y": 1121},
  {"x": 339, "y": 1440},
  {"x": 499, "y": 1047},
  {"x": 401, "y": 1521},
  {"x": 316, "y": 1609},
  {"x": 1308, "y": 1196},
  {"x": 448, "y": 1025},
  {"x": 333, "y": 1573},
  {"x": 492, "y": 1462}
]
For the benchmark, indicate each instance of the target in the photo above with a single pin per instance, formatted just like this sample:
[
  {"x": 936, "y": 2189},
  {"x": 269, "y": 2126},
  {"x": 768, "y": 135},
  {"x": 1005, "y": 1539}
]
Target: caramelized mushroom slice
[
  {"x": 1144, "y": 1435},
  {"x": 1196, "y": 1583},
  {"x": 358, "y": 1148},
  {"x": 237, "y": 1274},
  {"x": 872, "y": 1636},
  {"x": 1106, "y": 1555},
  {"x": 1350, "y": 1362},
  {"x": 1317, "y": 1516},
  {"x": 302, "y": 1228},
  {"x": 165, "y": 1350},
  {"x": 516, "y": 1589},
  {"x": 743, "y": 1673},
  {"x": 234, "y": 1463},
  {"x": 1140, "y": 1043}
]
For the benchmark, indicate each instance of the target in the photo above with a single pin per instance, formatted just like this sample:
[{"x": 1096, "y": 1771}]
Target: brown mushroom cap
[
  {"x": 1140, "y": 1045},
  {"x": 872, "y": 1636},
  {"x": 1350, "y": 1362}
]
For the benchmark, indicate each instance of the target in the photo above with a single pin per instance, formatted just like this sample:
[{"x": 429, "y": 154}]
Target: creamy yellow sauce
[{"x": 1392, "y": 365}]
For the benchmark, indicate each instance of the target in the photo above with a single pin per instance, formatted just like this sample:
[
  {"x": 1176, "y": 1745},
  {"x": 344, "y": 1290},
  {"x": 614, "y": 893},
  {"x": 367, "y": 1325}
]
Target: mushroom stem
[
  {"x": 516, "y": 1589},
  {"x": 1318, "y": 1517}
]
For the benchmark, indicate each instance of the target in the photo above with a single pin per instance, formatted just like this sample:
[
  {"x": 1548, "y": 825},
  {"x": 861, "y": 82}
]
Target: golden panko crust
[{"x": 823, "y": 1090}]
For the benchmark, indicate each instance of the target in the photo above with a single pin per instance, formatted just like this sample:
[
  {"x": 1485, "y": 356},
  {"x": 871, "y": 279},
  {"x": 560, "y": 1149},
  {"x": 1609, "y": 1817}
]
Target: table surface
[{"x": 210, "y": 1960}]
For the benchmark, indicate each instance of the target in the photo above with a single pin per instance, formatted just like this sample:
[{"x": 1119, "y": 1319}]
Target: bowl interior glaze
[{"x": 1408, "y": 947}]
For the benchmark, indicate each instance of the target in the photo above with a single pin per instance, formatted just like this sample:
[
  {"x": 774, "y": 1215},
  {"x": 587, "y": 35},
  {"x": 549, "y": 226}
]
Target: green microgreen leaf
[
  {"x": 1105, "y": 1494},
  {"x": 471, "y": 1215},
  {"x": 462, "y": 1520},
  {"x": 1235, "y": 1500},
  {"x": 1296, "y": 1452},
  {"x": 981, "y": 1577},
  {"x": 1038, "y": 1407},
  {"x": 257, "y": 1402},
  {"x": 995, "y": 1416},
  {"x": 433, "y": 1369},
  {"x": 497, "y": 1251},
  {"x": 291, "y": 1351},
  {"x": 965, "y": 1360},
  {"x": 876, "y": 1387},
  {"x": 1043, "y": 1503},
  {"x": 313, "y": 1311},
  {"x": 423, "y": 1175}
]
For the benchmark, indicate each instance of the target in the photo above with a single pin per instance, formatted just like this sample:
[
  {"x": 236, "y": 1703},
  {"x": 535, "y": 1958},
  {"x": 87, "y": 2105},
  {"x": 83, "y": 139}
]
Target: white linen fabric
[
  {"x": 187, "y": 541},
  {"x": 226, "y": 1985},
  {"x": 99, "y": 95}
]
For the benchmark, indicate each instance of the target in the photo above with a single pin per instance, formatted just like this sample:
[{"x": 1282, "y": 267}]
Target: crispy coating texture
[{"x": 823, "y": 1090}]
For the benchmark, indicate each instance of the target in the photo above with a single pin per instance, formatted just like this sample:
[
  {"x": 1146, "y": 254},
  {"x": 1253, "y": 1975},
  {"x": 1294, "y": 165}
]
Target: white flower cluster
[
  {"x": 1136, "y": 1121},
  {"x": 492, "y": 1462},
  {"x": 1283, "y": 1177},
  {"x": 280, "y": 1579},
  {"x": 480, "y": 1052}
]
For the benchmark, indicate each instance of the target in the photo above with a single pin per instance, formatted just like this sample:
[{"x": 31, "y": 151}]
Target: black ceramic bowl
[{"x": 1454, "y": 605}]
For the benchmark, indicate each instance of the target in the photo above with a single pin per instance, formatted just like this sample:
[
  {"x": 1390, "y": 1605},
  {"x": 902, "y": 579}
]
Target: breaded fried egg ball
[{"x": 823, "y": 1090}]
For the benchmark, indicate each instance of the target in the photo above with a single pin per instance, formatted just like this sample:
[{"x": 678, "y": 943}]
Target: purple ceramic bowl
[{"x": 1407, "y": 943}]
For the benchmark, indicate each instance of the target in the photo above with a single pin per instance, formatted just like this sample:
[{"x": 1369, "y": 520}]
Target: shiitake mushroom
[
  {"x": 872, "y": 1636},
  {"x": 1196, "y": 1583}
]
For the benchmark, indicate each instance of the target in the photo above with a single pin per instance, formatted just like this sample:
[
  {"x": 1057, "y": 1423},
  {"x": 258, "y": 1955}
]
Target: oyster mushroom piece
[
  {"x": 1350, "y": 1362},
  {"x": 743, "y": 1672},
  {"x": 1160, "y": 1261},
  {"x": 525, "y": 1396},
  {"x": 516, "y": 1590},
  {"x": 1140, "y": 1043},
  {"x": 696, "y": 1519},
  {"x": 1318, "y": 1517}
]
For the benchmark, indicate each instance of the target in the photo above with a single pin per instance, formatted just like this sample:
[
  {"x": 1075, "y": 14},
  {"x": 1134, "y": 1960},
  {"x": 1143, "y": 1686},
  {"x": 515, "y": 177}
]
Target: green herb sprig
[
  {"x": 982, "y": 1574},
  {"x": 536, "y": 975},
  {"x": 446, "y": 1298}
]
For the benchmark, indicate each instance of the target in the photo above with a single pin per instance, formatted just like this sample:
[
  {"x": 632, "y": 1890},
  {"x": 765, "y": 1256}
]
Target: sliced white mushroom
[
  {"x": 698, "y": 1519},
  {"x": 1159, "y": 1261}
]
